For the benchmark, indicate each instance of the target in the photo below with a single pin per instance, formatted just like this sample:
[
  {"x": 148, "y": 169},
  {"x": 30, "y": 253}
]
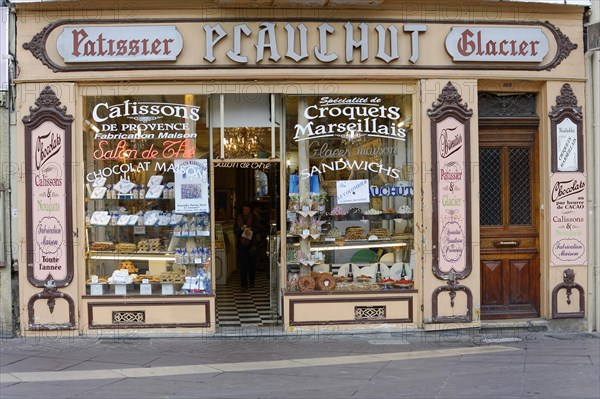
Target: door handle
[{"x": 506, "y": 244}]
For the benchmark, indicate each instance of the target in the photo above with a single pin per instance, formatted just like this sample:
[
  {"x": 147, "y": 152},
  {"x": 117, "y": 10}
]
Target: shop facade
[{"x": 423, "y": 170}]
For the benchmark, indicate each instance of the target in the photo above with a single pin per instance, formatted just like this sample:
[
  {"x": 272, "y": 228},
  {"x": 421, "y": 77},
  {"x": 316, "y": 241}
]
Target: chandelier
[
  {"x": 352, "y": 138},
  {"x": 242, "y": 142}
]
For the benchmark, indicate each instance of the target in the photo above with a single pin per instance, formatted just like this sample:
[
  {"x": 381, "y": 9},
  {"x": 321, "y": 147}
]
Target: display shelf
[
  {"x": 131, "y": 199},
  {"x": 370, "y": 218},
  {"x": 131, "y": 225},
  {"x": 316, "y": 246},
  {"x": 117, "y": 256},
  {"x": 198, "y": 234}
]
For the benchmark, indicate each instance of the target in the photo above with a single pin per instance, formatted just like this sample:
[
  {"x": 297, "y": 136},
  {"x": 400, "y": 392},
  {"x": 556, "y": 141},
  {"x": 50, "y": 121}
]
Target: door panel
[
  {"x": 519, "y": 280},
  {"x": 509, "y": 224},
  {"x": 492, "y": 282}
]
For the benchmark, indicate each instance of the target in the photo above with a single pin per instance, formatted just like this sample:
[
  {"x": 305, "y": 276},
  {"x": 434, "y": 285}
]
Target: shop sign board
[
  {"x": 400, "y": 189},
  {"x": 48, "y": 212},
  {"x": 353, "y": 191},
  {"x": 119, "y": 43},
  {"x": 566, "y": 132},
  {"x": 79, "y": 45},
  {"x": 568, "y": 213},
  {"x": 566, "y": 146},
  {"x": 568, "y": 219},
  {"x": 48, "y": 192},
  {"x": 191, "y": 186},
  {"x": 477, "y": 43},
  {"x": 451, "y": 209},
  {"x": 451, "y": 189}
]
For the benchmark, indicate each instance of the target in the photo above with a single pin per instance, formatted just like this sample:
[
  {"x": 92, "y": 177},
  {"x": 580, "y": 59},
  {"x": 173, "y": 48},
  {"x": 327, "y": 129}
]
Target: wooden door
[{"x": 509, "y": 199}]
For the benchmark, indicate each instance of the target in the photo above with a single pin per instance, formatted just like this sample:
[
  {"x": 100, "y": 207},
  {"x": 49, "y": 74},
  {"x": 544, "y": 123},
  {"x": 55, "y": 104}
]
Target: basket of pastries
[
  {"x": 129, "y": 266},
  {"x": 354, "y": 233},
  {"x": 372, "y": 214},
  {"x": 101, "y": 280},
  {"x": 153, "y": 279},
  {"x": 126, "y": 247},
  {"x": 306, "y": 283},
  {"x": 354, "y": 214},
  {"x": 389, "y": 214},
  {"x": 379, "y": 233},
  {"x": 102, "y": 246},
  {"x": 174, "y": 277},
  {"x": 325, "y": 282},
  {"x": 149, "y": 245}
]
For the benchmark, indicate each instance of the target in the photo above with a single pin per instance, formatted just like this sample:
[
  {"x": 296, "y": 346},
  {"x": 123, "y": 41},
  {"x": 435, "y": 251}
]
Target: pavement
[{"x": 264, "y": 363}]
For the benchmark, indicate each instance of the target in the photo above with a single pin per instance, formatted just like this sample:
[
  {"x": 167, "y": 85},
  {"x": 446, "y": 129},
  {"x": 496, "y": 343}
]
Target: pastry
[
  {"x": 102, "y": 246},
  {"x": 125, "y": 247}
]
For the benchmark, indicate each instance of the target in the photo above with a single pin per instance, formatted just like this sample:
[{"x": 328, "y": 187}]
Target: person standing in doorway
[{"x": 245, "y": 240}]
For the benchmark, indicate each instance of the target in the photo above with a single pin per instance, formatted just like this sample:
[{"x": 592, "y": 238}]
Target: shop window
[
  {"x": 146, "y": 195},
  {"x": 350, "y": 192},
  {"x": 251, "y": 125}
]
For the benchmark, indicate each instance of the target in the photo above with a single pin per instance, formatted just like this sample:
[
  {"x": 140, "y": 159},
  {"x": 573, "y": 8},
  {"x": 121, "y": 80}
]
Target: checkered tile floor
[{"x": 236, "y": 308}]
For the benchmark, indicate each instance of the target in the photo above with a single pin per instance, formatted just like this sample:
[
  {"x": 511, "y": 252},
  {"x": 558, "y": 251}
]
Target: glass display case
[
  {"x": 147, "y": 213},
  {"x": 369, "y": 252},
  {"x": 350, "y": 213}
]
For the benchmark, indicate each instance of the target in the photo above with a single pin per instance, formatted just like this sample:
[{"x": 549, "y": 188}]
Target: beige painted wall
[{"x": 553, "y": 274}]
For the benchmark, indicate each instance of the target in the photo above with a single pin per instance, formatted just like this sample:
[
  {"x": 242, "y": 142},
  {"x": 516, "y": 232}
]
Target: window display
[
  {"x": 147, "y": 195},
  {"x": 350, "y": 193}
]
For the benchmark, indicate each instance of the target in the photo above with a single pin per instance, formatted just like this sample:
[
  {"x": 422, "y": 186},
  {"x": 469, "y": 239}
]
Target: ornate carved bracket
[
  {"x": 37, "y": 46},
  {"x": 565, "y": 46},
  {"x": 452, "y": 288},
  {"x": 449, "y": 102},
  {"x": 567, "y": 100},
  {"x": 568, "y": 284},
  {"x": 50, "y": 293}
]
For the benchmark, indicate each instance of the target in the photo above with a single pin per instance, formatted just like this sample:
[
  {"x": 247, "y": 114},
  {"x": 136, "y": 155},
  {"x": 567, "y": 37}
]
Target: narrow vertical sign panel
[
  {"x": 48, "y": 192},
  {"x": 567, "y": 146},
  {"x": 568, "y": 219},
  {"x": 450, "y": 186},
  {"x": 568, "y": 213},
  {"x": 451, "y": 189}
]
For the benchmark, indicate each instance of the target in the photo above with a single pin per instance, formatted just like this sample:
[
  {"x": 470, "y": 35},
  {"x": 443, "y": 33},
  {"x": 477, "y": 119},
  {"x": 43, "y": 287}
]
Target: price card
[
  {"x": 124, "y": 186},
  {"x": 155, "y": 180},
  {"x": 99, "y": 182}
]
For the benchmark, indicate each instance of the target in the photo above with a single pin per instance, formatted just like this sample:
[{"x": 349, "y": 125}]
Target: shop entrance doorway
[
  {"x": 509, "y": 200},
  {"x": 249, "y": 300}
]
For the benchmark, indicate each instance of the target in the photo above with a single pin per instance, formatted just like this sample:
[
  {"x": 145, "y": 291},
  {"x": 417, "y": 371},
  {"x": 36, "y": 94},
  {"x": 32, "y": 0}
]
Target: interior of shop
[{"x": 255, "y": 302}]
